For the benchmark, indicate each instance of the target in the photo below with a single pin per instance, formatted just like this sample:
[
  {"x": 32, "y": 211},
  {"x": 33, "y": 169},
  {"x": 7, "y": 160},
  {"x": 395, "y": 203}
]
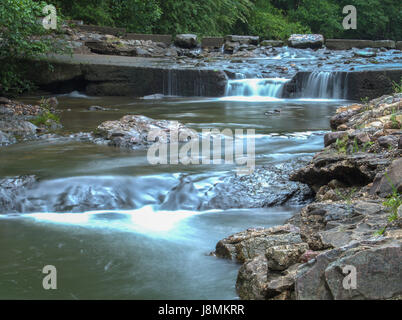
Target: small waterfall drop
[
  {"x": 268, "y": 87},
  {"x": 323, "y": 85}
]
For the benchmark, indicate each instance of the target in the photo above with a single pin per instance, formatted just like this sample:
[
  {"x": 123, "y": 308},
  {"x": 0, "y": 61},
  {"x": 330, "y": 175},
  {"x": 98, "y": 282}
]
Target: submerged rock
[
  {"x": 10, "y": 189},
  {"x": 265, "y": 187}
]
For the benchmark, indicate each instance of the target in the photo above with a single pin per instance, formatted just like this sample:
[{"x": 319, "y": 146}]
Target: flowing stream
[{"x": 117, "y": 227}]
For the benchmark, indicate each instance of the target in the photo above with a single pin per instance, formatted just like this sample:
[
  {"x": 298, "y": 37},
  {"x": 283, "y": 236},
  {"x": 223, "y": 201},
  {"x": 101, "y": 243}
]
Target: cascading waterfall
[
  {"x": 269, "y": 87},
  {"x": 323, "y": 85}
]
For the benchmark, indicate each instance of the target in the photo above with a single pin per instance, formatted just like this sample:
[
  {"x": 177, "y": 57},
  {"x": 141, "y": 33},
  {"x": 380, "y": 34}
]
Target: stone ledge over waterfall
[
  {"x": 353, "y": 85},
  {"x": 137, "y": 77},
  {"x": 123, "y": 76}
]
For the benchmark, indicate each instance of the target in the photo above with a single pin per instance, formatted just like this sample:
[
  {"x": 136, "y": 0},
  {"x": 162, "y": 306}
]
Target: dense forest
[
  {"x": 269, "y": 19},
  {"x": 273, "y": 19}
]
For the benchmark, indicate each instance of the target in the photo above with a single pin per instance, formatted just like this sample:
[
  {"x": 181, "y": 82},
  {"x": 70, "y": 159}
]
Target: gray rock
[
  {"x": 186, "y": 41},
  {"x": 132, "y": 131},
  {"x": 10, "y": 188},
  {"x": 331, "y": 137},
  {"x": 253, "y": 40},
  {"x": 253, "y": 242},
  {"x": 282, "y": 257},
  {"x": 6, "y": 139},
  {"x": 388, "y": 141},
  {"x": 383, "y": 184},
  {"x": 252, "y": 279},
  {"x": 303, "y": 41},
  {"x": 18, "y": 127},
  {"x": 265, "y": 187},
  {"x": 379, "y": 272}
]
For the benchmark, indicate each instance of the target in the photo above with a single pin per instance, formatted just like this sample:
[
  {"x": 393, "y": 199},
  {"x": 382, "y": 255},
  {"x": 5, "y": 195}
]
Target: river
[{"x": 117, "y": 227}]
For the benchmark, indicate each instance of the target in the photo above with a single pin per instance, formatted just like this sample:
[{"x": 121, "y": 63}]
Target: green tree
[
  {"x": 19, "y": 31},
  {"x": 324, "y": 17},
  {"x": 207, "y": 17},
  {"x": 270, "y": 22}
]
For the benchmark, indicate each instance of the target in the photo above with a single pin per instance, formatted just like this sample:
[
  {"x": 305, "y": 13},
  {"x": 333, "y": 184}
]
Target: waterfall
[
  {"x": 270, "y": 87},
  {"x": 323, "y": 85}
]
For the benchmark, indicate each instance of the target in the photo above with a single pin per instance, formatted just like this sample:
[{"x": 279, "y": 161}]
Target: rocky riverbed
[{"x": 355, "y": 220}]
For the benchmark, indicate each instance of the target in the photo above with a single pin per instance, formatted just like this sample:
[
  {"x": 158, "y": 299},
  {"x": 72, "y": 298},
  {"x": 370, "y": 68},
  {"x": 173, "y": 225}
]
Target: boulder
[
  {"x": 253, "y": 242},
  {"x": 252, "y": 279},
  {"x": 231, "y": 47},
  {"x": 334, "y": 224},
  {"x": 303, "y": 41},
  {"x": 331, "y": 137},
  {"x": 282, "y": 257},
  {"x": 398, "y": 45},
  {"x": 256, "y": 282},
  {"x": 132, "y": 131},
  {"x": 267, "y": 186},
  {"x": 384, "y": 183},
  {"x": 253, "y": 40},
  {"x": 356, "y": 169},
  {"x": 378, "y": 272},
  {"x": 186, "y": 41},
  {"x": 18, "y": 127}
]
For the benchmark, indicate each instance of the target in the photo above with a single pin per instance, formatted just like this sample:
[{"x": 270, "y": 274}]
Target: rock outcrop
[
  {"x": 20, "y": 122},
  {"x": 347, "y": 244}
]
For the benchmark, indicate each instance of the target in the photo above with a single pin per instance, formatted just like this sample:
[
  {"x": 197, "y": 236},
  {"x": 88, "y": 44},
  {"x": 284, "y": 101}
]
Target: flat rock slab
[{"x": 303, "y": 41}]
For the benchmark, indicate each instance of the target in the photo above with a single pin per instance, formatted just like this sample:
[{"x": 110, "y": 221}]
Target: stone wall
[{"x": 125, "y": 80}]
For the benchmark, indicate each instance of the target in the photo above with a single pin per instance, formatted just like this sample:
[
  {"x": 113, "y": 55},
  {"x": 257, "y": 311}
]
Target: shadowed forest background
[{"x": 273, "y": 19}]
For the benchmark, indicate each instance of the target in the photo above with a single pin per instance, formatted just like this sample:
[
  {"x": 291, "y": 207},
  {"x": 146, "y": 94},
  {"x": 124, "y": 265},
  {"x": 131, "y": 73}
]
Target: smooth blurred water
[{"x": 99, "y": 213}]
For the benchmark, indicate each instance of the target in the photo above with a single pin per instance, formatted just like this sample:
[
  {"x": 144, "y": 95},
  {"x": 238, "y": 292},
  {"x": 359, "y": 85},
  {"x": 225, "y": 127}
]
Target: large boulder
[
  {"x": 186, "y": 41},
  {"x": 132, "y": 131},
  {"x": 303, "y": 41},
  {"x": 253, "y": 242},
  {"x": 378, "y": 272},
  {"x": 385, "y": 183},
  {"x": 20, "y": 128},
  {"x": 254, "y": 40},
  {"x": 329, "y": 225},
  {"x": 265, "y": 187},
  {"x": 357, "y": 169}
]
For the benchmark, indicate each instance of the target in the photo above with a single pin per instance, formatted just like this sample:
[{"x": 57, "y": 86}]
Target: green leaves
[{"x": 20, "y": 31}]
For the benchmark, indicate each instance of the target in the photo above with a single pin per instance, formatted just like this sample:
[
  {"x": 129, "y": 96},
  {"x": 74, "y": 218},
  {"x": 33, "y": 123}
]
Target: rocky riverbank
[
  {"x": 355, "y": 220},
  {"x": 25, "y": 122}
]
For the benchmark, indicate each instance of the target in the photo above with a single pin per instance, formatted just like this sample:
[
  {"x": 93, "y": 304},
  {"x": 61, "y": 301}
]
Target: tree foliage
[{"x": 19, "y": 34}]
